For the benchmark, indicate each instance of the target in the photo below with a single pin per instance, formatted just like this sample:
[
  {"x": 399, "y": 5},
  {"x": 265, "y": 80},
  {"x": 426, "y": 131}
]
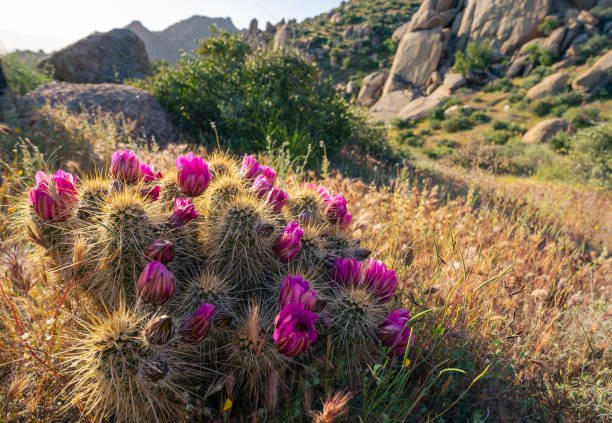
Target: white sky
[{"x": 53, "y": 24}]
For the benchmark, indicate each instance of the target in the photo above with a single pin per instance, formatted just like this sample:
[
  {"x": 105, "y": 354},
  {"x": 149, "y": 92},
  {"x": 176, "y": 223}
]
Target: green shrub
[
  {"x": 457, "y": 122},
  {"x": 539, "y": 56},
  {"x": 499, "y": 137},
  {"x": 591, "y": 154},
  {"x": 500, "y": 125},
  {"x": 252, "y": 96},
  {"x": 548, "y": 25},
  {"x": 23, "y": 77},
  {"x": 503, "y": 85},
  {"x": 560, "y": 142},
  {"x": 407, "y": 137},
  {"x": 582, "y": 117},
  {"x": 597, "y": 44},
  {"x": 477, "y": 56},
  {"x": 558, "y": 104}
]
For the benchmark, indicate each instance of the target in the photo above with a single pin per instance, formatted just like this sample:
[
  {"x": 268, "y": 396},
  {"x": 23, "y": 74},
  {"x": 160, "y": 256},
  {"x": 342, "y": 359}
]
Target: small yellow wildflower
[
  {"x": 228, "y": 404},
  {"x": 407, "y": 363},
  {"x": 17, "y": 130},
  {"x": 596, "y": 227}
]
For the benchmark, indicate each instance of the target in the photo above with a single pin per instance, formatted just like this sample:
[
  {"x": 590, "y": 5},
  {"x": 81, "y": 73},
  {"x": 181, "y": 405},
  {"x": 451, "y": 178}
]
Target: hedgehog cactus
[{"x": 207, "y": 270}]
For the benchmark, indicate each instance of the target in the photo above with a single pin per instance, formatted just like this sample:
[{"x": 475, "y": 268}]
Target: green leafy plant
[{"x": 476, "y": 56}]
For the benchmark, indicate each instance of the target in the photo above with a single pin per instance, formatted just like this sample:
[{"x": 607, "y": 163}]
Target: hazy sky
[{"x": 52, "y": 24}]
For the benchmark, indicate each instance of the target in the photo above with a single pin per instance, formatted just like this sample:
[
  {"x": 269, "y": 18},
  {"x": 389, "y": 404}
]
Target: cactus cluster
[{"x": 207, "y": 275}]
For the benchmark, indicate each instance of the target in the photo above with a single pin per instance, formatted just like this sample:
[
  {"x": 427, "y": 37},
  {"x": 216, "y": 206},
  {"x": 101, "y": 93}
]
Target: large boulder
[
  {"x": 597, "y": 76},
  {"x": 548, "y": 86},
  {"x": 3, "y": 83},
  {"x": 388, "y": 107},
  {"x": 453, "y": 80},
  {"x": 371, "y": 89},
  {"x": 417, "y": 56},
  {"x": 283, "y": 37},
  {"x": 407, "y": 105},
  {"x": 545, "y": 130},
  {"x": 102, "y": 57},
  {"x": 506, "y": 24},
  {"x": 432, "y": 14},
  {"x": 139, "y": 108},
  {"x": 554, "y": 41}
]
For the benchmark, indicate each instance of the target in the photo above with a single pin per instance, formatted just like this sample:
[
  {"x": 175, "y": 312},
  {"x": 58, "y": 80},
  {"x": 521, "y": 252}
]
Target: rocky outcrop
[
  {"x": 181, "y": 36},
  {"x": 545, "y": 130},
  {"x": 550, "y": 85},
  {"x": 506, "y": 24},
  {"x": 258, "y": 39},
  {"x": 453, "y": 80},
  {"x": 417, "y": 56},
  {"x": 388, "y": 107},
  {"x": 101, "y": 57},
  {"x": 3, "y": 83},
  {"x": 352, "y": 88},
  {"x": 284, "y": 34},
  {"x": 407, "y": 105},
  {"x": 597, "y": 76},
  {"x": 371, "y": 89},
  {"x": 139, "y": 108},
  {"x": 433, "y": 14}
]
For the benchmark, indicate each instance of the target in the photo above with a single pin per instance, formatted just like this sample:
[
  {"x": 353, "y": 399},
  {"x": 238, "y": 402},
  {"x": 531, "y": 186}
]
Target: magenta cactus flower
[
  {"x": 296, "y": 289},
  {"x": 54, "y": 195},
  {"x": 160, "y": 250},
  {"x": 193, "y": 174},
  {"x": 184, "y": 212},
  {"x": 347, "y": 272},
  {"x": 148, "y": 174},
  {"x": 268, "y": 172},
  {"x": 276, "y": 198},
  {"x": 289, "y": 243},
  {"x": 156, "y": 284},
  {"x": 395, "y": 331},
  {"x": 380, "y": 280},
  {"x": 151, "y": 194},
  {"x": 294, "y": 329},
  {"x": 197, "y": 326},
  {"x": 336, "y": 211},
  {"x": 262, "y": 185},
  {"x": 125, "y": 167},
  {"x": 250, "y": 167}
]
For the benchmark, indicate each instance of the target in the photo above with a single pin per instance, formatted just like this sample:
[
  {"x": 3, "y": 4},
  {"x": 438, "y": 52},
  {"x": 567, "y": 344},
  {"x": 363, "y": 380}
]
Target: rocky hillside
[
  {"x": 181, "y": 36},
  {"x": 347, "y": 42}
]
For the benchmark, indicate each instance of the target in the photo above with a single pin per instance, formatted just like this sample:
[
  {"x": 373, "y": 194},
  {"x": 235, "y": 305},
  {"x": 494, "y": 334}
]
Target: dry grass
[{"x": 505, "y": 274}]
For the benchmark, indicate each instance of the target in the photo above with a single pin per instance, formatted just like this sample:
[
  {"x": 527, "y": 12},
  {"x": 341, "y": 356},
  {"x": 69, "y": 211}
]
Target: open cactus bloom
[
  {"x": 294, "y": 329},
  {"x": 245, "y": 277}
]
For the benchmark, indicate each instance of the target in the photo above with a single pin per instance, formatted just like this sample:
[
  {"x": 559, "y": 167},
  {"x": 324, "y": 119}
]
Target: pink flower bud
[
  {"x": 380, "y": 280},
  {"x": 192, "y": 174},
  {"x": 148, "y": 174},
  {"x": 54, "y": 195},
  {"x": 276, "y": 198},
  {"x": 289, "y": 243},
  {"x": 250, "y": 167},
  {"x": 160, "y": 250},
  {"x": 296, "y": 289},
  {"x": 262, "y": 186},
  {"x": 395, "y": 331},
  {"x": 336, "y": 211},
  {"x": 184, "y": 212},
  {"x": 125, "y": 167},
  {"x": 268, "y": 172},
  {"x": 294, "y": 329},
  {"x": 196, "y": 327},
  {"x": 156, "y": 284},
  {"x": 347, "y": 272}
]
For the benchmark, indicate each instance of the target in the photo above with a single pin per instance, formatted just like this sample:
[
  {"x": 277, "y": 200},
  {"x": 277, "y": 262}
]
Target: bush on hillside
[
  {"x": 592, "y": 154},
  {"x": 23, "y": 77},
  {"x": 548, "y": 25},
  {"x": 476, "y": 56},
  {"x": 253, "y": 95}
]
